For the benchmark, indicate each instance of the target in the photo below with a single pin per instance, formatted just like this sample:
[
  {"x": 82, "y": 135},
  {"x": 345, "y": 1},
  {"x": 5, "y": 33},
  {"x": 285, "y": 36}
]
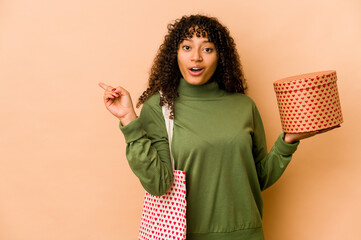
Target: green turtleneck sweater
[{"x": 219, "y": 141}]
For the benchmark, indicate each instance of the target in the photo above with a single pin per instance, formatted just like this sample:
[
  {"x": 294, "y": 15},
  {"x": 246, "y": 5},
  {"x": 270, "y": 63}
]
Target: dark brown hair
[{"x": 165, "y": 74}]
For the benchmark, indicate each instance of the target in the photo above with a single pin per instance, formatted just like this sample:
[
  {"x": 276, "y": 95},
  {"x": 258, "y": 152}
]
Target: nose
[{"x": 196, "y": 55}]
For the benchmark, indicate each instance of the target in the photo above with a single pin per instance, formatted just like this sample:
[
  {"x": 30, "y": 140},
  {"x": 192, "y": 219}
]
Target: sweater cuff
[
  {"x": 133, "y": 131},
  {"x": 285, "y": 148}
]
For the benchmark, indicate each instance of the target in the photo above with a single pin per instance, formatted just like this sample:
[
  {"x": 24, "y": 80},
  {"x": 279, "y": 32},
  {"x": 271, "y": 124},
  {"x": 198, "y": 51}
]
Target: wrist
[{"x": 127, "y": 118}]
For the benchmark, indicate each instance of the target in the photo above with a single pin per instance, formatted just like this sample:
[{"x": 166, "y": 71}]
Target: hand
[
  {"x": 119, "y": 103},
  {"x": 294, "y": 137}
]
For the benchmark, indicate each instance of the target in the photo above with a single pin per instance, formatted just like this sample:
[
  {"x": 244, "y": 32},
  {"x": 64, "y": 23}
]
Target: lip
[{"x": 195, "y": 73}]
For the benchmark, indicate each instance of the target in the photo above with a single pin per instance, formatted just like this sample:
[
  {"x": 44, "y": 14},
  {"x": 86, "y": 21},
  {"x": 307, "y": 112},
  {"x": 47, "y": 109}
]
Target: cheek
[
  {"x": 181, "y": 65},
  {"x": 215, "y": 64},
  {"x": 180, "y": 61}
]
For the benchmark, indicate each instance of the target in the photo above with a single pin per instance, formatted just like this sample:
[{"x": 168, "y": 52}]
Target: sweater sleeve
[
  {"x": 269, "y": 165},
  {"x": 147, "y": 150}
]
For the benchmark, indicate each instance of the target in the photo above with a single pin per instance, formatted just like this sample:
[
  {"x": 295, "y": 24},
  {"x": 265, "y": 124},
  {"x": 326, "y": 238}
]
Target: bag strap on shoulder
[{"x": 169, "y": 123}]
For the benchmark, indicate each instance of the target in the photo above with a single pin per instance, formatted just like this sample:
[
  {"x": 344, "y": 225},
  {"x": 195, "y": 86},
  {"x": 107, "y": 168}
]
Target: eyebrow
[{"x": 190, "y": 40}]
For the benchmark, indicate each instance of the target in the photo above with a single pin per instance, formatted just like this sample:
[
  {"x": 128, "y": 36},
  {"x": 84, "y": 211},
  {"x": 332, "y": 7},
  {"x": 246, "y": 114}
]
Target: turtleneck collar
[{"x": 209, "y": 89}]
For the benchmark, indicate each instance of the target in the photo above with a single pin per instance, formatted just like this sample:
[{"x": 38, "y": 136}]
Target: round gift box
[{"x": 308, "y": 102}]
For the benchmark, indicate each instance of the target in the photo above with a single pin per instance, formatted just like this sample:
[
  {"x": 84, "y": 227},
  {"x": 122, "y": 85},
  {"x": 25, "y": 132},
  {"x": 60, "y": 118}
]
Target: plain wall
[{"x": 63, "y": 171}]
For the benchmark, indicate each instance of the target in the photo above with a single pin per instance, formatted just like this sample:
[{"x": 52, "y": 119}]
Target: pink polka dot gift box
[{"x": 308, "y": 102}]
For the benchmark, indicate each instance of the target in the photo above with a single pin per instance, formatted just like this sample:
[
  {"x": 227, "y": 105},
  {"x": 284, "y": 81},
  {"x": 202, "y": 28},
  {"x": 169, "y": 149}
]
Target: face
[{"x": 197, "y": 60}]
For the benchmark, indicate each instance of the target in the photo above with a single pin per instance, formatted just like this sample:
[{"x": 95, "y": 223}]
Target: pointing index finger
[{"x": 103, "y": 85}]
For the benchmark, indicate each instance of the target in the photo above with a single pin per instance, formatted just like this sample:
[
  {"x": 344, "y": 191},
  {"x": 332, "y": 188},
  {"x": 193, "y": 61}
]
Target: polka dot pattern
[
  {"x": 308, "y": 102},
  {"x": 164, "y": 217}
]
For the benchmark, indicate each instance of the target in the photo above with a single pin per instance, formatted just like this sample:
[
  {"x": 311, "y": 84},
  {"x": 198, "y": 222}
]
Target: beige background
[{"x": 63, "y": 171}]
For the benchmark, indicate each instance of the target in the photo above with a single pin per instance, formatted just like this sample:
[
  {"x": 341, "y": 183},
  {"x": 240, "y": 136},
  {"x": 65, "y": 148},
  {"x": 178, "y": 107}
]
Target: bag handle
[{"x": 169, "y": 123}]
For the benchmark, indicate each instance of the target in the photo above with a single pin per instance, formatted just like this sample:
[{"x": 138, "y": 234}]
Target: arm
[
  {"x": 147, "y": 149},
  {"x": 270, "y": 166}
]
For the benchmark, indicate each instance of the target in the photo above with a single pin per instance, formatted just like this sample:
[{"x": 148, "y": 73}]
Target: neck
[{"x": 209, "y": 89}]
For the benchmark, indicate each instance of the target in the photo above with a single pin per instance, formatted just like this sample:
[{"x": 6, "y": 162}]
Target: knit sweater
[{"x": 219, "y": 141}]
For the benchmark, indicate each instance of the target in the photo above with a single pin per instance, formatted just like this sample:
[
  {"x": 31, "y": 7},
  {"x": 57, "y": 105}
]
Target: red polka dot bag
[{"x": 164, "y": 217}]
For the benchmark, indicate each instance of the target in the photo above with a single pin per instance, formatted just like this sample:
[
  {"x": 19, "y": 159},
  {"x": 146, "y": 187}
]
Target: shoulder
[
  {"x": 153, "y": 101},
  {"x": 152, "y": 118},
  {"x": 151, "y": 105},
  {"x": 243, "y": 100}
]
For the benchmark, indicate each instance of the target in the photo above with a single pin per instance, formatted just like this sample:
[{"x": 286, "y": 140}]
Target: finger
[
  {"x": 328, "y": 129},
  {"x": 115, "y": 94},
  {"x": 105, "y": 87},
  {"x": 111, "y": 93},
  {"x": 108, "y": 97},
  {"x": 308, "y": 134},
  {"x": 120, "y": 90}
]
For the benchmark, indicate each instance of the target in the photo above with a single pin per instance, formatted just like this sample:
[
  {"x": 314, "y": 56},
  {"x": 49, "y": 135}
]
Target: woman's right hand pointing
[{"x": 119, "y": 103}]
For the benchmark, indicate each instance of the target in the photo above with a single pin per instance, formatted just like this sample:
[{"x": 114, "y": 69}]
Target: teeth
[{"x": 196, "y": 69}]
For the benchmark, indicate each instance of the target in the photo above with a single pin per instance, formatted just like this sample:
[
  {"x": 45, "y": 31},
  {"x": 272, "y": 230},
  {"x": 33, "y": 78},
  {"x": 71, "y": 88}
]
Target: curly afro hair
[{"x": 165, "y": 74}]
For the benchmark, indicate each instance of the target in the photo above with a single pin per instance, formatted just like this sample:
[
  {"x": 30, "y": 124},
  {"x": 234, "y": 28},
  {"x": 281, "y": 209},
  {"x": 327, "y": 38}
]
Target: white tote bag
[{"x": 164, "y": 217}]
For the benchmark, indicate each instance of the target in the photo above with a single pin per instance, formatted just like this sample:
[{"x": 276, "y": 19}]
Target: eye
[
  {"x": 208, "y": 50},
  {"x": 185, "y": 47}
]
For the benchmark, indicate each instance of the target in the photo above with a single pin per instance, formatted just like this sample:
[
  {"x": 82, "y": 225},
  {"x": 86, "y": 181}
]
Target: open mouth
[{"x": 196, "y": 71}]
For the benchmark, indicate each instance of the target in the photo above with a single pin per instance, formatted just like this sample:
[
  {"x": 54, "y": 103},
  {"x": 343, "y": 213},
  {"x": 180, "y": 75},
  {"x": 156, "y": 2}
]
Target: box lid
[{"x": 304, "y": 81}]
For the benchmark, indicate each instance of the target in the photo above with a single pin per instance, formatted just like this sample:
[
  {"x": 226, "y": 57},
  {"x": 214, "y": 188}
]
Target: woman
[{"x": 219, "y": 140}]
